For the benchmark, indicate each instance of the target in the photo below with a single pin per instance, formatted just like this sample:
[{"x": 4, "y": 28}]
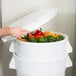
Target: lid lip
[{"x": 31, "y": 43}]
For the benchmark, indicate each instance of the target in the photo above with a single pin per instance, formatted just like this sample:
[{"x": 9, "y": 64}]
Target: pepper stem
[{"x": 40, "y": 29}]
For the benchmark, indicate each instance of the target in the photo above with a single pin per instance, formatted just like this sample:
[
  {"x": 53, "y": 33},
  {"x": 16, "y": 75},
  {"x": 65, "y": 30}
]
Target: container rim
[
  {"x": 51, "y": 59},
  {"x": 65, "y": 38}
]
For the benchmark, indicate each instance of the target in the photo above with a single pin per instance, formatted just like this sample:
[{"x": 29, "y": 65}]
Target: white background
[{"x": 64, "y": 22}]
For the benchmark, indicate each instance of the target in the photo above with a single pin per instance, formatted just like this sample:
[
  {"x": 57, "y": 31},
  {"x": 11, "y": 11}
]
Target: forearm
[{"x": 4, "y": 32}]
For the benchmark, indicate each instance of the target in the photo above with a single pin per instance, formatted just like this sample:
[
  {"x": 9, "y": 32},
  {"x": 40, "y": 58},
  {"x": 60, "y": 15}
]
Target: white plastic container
[
  {"x": 39, "y": 59},
  {"x": 42, "y": 59},
  {"x": 55, "y": 67},
  {"x": 42, "y": 51}
]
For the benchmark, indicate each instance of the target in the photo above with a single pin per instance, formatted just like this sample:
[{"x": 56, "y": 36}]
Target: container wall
[{"x": 64, "y": 22}]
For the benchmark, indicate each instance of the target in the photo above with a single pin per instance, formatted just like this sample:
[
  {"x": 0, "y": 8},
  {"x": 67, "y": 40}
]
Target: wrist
[{"x": 7, "y": 31}]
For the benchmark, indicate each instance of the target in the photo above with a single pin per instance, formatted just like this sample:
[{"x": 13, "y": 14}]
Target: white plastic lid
[
  {"x": 36, "y": 19},
  {"x": 33, "y": 21}
]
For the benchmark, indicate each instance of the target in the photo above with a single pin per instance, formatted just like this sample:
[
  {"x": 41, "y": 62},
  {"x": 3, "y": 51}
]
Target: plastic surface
[
  {"x": 23, "y": 74},
  {"x": 41, "y": 52},
  {"x": 51, "y": 68},
  {"x": 36, "y": 19},
  {"x": 33, "y": 21}
]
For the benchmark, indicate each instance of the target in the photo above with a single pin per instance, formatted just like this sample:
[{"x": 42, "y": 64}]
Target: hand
[{"x": 18, "y": 32}]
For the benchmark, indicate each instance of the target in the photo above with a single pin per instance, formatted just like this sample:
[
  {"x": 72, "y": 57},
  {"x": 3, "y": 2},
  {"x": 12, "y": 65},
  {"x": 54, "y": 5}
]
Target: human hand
[{"x": 18, "y": 32}]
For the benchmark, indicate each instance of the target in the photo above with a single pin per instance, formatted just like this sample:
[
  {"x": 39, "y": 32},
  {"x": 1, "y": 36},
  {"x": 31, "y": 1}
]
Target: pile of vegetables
[{"x": 42, "y": 37}]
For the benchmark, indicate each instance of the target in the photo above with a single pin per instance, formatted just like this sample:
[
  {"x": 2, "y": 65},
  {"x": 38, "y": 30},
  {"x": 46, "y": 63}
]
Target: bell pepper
[
  {"x": 50, "y": 38},
  {"x": 38, "y": 32},
  {"x": 31, "y": 36},
  {"x": 58, "y": 38},
  {"x": 45, "y": 38},
  {"x": 26, "y": 37},
  {"x": 41, "y": 40},
  {"x": 47, "y": 33},
  {"x": 33, "y": 40},
  {"x": 38, "y": 36},
  {"x": 22, "y": 39}
]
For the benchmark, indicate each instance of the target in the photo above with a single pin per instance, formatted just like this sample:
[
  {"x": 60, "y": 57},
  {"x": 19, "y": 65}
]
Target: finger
[
  {"x": 19, "y": 36},
  {"x": 26, "y": 30},
  {"x": 24, "y": 33}
]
